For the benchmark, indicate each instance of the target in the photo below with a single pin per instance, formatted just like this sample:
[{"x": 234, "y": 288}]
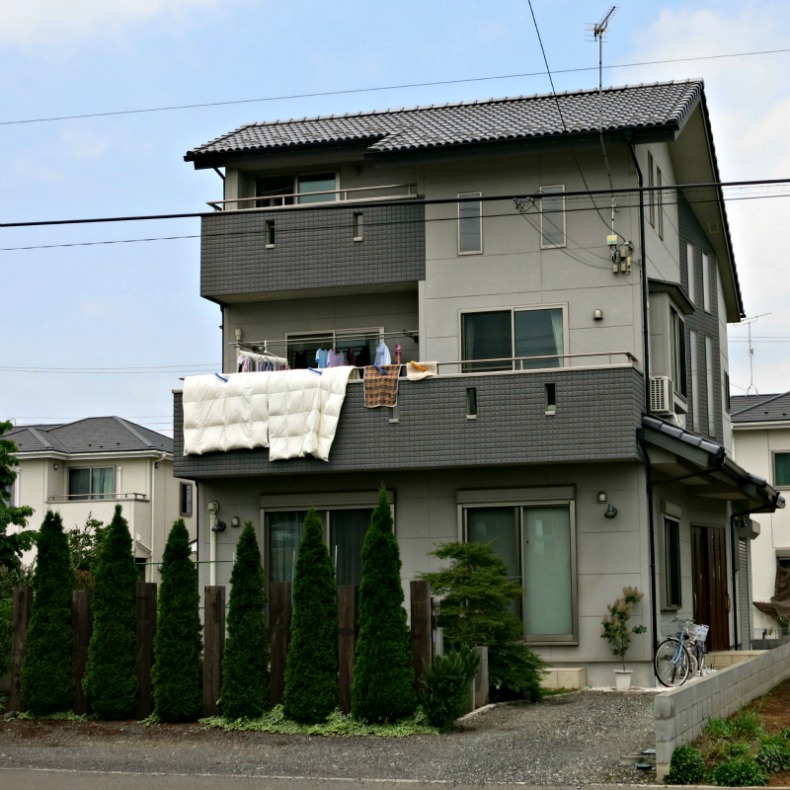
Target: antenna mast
[{"x": 598, "y": 31}]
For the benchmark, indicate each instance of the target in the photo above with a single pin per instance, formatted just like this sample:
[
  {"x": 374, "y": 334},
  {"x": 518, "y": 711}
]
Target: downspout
[
  {"x": 154, "y": 563},
  {"x": 651, "y": 524}
]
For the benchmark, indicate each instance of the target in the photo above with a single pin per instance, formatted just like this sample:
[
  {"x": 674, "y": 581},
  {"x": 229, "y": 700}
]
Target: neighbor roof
[
  {"x": 760, "y": 408},
  {"x": 660, "y": 107},
  {"x": 91, "y": 435}
]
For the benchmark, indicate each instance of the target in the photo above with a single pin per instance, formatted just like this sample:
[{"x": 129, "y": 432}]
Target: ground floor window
[
  {"x": 538, "y": 545},
  {"x": 344, "y": 532},
  {"x": 672, "y": 580}
]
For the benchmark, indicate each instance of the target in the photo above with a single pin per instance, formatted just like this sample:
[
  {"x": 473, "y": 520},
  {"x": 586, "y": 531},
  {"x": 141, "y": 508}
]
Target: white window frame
[
  {"x": 706, "y": 282},
  {"x": 547, "y": 223},
  {"x": 651, "y": 195},
  {"x": 659, "y": 203},
  {"x": 691, "y": 272},
  {"x": 91, "y": 496},
  {"x": 709, "y": 380},
  {"x": 465, "y": 204},
  {"x": 521, "y": 499},
  {"x": 694, "y": 366}
]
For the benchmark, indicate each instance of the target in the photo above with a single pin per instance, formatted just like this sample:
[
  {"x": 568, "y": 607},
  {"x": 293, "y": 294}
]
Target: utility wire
[{"x": 381, "y": 88}]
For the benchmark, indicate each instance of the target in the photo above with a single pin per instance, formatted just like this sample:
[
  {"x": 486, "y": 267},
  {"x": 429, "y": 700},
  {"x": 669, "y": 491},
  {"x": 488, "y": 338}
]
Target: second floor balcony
[{"x": 585, "y": 411}]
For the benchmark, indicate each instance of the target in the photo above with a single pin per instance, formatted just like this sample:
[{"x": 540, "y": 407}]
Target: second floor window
[
  {"x": 782, "y": 469},
  {"x": 289, "y": 189},
  {"x": 552, "y": 216},
  {"x": 470, "y": 224},
  {"x": 96, "y": 482},
  {"x": 678, "y": 352},
  {"x": 509, "y": 338}
]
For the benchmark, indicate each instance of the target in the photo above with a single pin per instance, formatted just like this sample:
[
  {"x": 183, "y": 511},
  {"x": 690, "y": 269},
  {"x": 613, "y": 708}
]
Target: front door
[{"x": 709, "y": 584}]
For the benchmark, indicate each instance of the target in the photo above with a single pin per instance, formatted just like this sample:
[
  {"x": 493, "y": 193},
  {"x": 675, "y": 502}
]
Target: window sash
[
  {"x": 672, "y": 579},
  {"x": 782, "y": 469},
  {"x": 185, "y": 499},
  {"x": 711, "y": 391},
  {"x": 552, "y": 216},
  {"x": 678, "y": 352},
  {"x": 691, "y": 273},
  {"x": 706, "y": 301},
  {"x": 88, "y": 483},
  {"x": 470, "y": 224},
  {"x": 694, "y": 364}
]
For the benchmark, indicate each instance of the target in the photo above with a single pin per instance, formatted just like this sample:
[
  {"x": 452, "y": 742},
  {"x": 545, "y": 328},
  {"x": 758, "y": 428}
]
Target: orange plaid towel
[{"x": 381, "y": 389}]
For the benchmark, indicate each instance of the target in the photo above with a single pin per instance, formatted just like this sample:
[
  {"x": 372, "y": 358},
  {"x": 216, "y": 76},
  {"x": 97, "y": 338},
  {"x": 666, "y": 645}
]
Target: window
[
  {"x": 706, "y": 282},
  {"x": 285, "y": 190},
  {"x": 185, "y": 499},
  {"x": 344, "y": 529},
  {"x": 471, "y": 403},
  {"x": 537, "y": 543},
  {"x": 694, "y": 365},
  {"x": 357, "y": 225},
  {"x": 691, "y": 272},
  {"x": 709, "y": 366},
  {"x": 678, "y": 351},
  {"x": 672, "y": 581},
  {"x": 659, "y": 203},
  {"x": 92, "y": 483},
  {"x": 470, "y": 224},
  {"x": 726, "y": 392},
  {"x": 269, "y": 232},
  {"x": 651, "y": 205},
  {"x": 552, "y": 216},
  {"x": 782, "y": 469},
  {"x": 506, "y": 334}
]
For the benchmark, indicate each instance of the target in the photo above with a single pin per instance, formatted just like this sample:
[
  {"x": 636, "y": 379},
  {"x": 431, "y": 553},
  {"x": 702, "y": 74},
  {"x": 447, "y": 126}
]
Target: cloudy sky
[{"x": 100, "y": 100}]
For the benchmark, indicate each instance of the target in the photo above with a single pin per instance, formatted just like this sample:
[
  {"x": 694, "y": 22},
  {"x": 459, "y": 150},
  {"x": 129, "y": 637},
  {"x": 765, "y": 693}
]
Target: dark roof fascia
[{"x": 675, "y": 291}]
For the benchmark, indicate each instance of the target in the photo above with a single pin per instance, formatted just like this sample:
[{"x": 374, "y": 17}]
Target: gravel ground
[{"x": 575, "y": 740}]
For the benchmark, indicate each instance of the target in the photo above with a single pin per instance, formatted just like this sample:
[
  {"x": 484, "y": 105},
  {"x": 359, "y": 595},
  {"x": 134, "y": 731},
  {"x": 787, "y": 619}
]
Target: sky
[{"x": 100, "y": 101}]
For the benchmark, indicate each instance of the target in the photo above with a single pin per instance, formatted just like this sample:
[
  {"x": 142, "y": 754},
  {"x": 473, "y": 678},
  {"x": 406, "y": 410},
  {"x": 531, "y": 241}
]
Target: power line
[{"x": 381, "y": 88}]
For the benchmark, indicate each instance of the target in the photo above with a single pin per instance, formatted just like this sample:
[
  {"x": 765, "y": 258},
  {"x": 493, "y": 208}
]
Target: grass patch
[{"x": 338, "y": 724}]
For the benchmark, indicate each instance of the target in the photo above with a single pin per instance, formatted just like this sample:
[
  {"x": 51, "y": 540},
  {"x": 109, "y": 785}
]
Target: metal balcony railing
[
  {"x": 317, "y": 199},
  {"x": 102, "y": 497}
]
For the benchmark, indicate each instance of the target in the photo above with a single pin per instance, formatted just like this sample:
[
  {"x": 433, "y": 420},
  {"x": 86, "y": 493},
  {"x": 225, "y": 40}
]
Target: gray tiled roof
[
  {"x": 660, "y": 106},
  {"x": 760, "y": 408},
  {"x": 91, "y": 435}
]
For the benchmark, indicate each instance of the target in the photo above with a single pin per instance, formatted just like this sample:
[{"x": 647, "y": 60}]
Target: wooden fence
[{"x": 214, "y": 641}]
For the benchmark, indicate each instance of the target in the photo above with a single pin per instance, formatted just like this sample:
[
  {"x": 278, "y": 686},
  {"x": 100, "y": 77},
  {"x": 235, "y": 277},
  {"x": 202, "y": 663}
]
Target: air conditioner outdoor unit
[{"x": 662, "y": 395}]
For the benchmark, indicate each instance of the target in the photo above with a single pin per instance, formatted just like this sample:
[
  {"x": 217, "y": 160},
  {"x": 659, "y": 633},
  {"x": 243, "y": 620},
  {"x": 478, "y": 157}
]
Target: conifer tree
[
  {"x": 47, "y": 684},
  {"x": 245, "y": 673},
  {"x": 110, "y": 680},
  {"x": 311, "y": 691},
  {"x": 178, "y": 665},
  {"x": 383, "y": 681},
  {"x": 11, "y": 546}
]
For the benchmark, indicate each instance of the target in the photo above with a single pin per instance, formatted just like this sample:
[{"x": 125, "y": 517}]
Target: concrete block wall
[{"x": 681, "y": 714}]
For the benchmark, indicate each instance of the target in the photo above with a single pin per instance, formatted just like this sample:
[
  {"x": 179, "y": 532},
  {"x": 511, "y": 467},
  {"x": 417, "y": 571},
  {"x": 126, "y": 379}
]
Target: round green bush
[
  {"x": 686, "y": 767},
  {"x": 774, "y": 757},
  {"x": 740, "y": 772},
  {"x": 446, "y": 687}
]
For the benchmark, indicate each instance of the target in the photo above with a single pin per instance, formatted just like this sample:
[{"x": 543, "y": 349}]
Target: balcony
[
  {"x": 283, "y": 251},
  {"x": 75, "y": 510},
  {"x": 586, "y": 411}
]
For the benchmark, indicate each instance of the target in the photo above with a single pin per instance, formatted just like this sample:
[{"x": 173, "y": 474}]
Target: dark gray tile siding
[
  {"x": 314, "y": 248},
  {"x": 598, "y": 412},
  {"x": 704, "y": 324}
]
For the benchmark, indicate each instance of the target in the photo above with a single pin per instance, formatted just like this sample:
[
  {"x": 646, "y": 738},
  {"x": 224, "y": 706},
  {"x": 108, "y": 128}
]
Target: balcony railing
[
  {"x": 317, "y": 199},
  {"x": 116, "y": 497}
]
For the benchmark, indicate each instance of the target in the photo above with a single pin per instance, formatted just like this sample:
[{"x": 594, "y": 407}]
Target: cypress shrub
[
  {"x": 311, "y": 692},
  {"x": 47, "y": 682},
  {"x": 110, "y": 681},
  {"x": 446, "y": 687},
  {"x": 178, "y": 664},
  {"x": 245, "y": 667},
  {"x": 383, "y": 683}
]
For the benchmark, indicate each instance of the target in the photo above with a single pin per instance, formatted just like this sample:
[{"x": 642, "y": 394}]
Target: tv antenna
[{"x": 749, "y": 323}]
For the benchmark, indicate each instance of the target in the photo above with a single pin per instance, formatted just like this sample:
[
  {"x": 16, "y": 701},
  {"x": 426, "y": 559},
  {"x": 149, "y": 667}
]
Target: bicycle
[{"x": 674, "y": 659}]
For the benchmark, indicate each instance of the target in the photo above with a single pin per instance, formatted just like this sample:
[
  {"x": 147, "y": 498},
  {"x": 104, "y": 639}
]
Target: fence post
[
  {"x": 213, "y": 647},
  {"x": 23, "y": 606},
  {"x": 82, "y": 628},
  {"x": 421, "y": 652},
  {"x": 145, "y": 618},
  {"x": 280, "y": 630},
  {"x": 480, "y": 693},
  {"x": 346, "y": 642}
]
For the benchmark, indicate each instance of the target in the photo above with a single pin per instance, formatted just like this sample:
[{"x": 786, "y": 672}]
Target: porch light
[{"x": 602, "y": 497}]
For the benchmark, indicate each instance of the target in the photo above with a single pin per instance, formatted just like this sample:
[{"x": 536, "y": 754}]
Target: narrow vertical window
[
  {"x": 651, "y": 198},
  {"x": 185, "y": 499},
  {"x": 552, "y": 216},
  {"x": 551, "y": 398},
  {"x": 269, "y": 233},
  {"x": 694, "y": 365},
  {"x": 706, "y": 282},
  {"x": 726, "y": 392},
  {"x": 678, "y": 351},
  {"x": 358, "y": 228},
  {"x": 470, "y": 223},
  {"x": 691, "y": 273},
  {"x": 471, "y": 403},
  {"x": 709, "y": 367},
  {"x": 672, "y": 581},
  {"x": 659, "y": 203}
]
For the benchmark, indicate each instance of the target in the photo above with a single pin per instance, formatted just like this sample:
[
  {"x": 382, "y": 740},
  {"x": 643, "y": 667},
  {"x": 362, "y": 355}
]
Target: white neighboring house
[
  {"x": 85, "y": 468},
  {"x": 761, "y": 431}
]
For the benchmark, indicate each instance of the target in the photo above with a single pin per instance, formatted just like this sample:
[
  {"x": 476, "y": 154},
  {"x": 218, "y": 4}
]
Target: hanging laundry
[
  {"x": 420, "y": 370},
  {"x": 381, "y": 385},
  {"x": 336, "y": 359},
  {"x": 321, "y": 356},
  {"x": 383, "y": 356}
]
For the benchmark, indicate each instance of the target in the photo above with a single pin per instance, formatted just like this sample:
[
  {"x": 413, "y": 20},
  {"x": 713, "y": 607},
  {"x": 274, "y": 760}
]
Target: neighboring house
[
  {"x": 591, "y": 450},
  {"x": 761, "y": 430},
  {"x": 84, "y": 469}
]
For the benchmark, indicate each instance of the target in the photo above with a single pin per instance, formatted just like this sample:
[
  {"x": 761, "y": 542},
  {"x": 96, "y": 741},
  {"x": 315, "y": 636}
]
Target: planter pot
[{"x": 622, "y": 679}]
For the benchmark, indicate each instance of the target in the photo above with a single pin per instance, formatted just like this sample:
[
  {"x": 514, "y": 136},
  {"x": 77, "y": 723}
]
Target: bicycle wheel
[{"x": 672, "y": 663}]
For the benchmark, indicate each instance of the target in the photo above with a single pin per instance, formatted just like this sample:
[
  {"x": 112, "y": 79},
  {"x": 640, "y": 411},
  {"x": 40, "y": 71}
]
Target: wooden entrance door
[{"x": 709, "y": 584}]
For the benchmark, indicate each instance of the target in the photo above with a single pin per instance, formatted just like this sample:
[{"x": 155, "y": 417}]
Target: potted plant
[{"x": 617, "y": 632}]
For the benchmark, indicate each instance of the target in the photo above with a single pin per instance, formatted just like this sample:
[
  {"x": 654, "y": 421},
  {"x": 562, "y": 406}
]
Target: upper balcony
[
  {"x": 588, "y": 410},
  {"x": 267, "y": 247}
]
